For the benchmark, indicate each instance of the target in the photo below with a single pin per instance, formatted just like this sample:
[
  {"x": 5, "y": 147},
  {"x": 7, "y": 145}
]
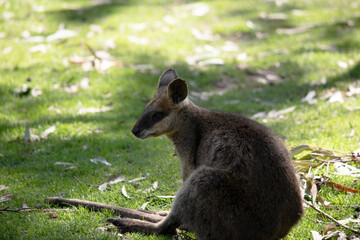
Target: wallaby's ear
[
  {"x": 177, "y": 90},
  {"x": 166, "y": 77}
]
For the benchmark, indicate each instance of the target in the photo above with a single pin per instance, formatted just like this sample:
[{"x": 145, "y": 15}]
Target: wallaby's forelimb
[{"x": 151, "y": 216}]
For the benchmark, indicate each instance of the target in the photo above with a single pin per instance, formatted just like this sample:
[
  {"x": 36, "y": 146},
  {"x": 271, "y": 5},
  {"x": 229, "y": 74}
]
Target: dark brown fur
[{"x": 239, "y": 182}]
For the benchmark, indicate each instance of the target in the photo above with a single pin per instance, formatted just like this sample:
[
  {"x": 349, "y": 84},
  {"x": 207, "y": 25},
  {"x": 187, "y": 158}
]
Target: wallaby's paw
[{"x": 123, "y": 224}]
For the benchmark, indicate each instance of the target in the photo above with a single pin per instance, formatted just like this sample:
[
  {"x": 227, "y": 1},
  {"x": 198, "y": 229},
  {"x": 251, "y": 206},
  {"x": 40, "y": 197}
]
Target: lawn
[{"x": 76, "y": 74}]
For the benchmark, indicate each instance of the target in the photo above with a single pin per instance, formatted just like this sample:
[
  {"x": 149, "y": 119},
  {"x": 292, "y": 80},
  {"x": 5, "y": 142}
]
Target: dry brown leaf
[
  {"x": 6, "y": 198},
  {"x": 329, "y": 228},
  {"x": 53, "y": 214},
  {"x": 341, "y": 187}
]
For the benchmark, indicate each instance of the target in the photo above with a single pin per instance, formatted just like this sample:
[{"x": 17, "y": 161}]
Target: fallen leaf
[
  {"x": 342, "y": 236},
  {"x": 103, "y": 186},
  {"x": 336, "y": 97},
  {"x": 241, "y": 57},
  {"x": 53, "y": 214},
  {"x": 280, "y": 113},
  {"x": 165, "y": 196},
  {"x": 110, "y": 44},
  {"x": 52, "y": 108},
  {"x": 211, "y": 61},
  {"x": 137, "y": 26},
  {"x": 169, "y": 20},
  {"x": 143, "y": 206},
  {"x": 38, "y": 8},
  {"x": 38, "y": 48},
  {"x": 273, "y": 16},
  {"x": 250, "y": 24},
  {"x": 352, "y": 109},
  {"x": 351, "y": 134},
  {"x": 72, "y": 88},
  {"x": 207, "y": 36},
  {"x": 259, "y": 115},
  {"x": 63, "y": 163},
  {"x": 230, "y": 47},
  {"x": 346, "y": 169},
  {"x": 322, "y": 81},
  {"x": 136, "y": 179},
  {"x": 298, "y": 30},
  {"x": 123, "y": 191},
  {"x": 316, "y": 235},
  {"x": 96, "y": 28},
  {"x": 299, "y": 149},
  {"x": 6, "y": 198},
  {"x": 197, "y": 9},
  {"x": 116, "y": 178},
  {"x": 3, "y": 187},
  {"x": 310, "y": 98},
  {"x": 342, "y": 64},
  {"x": 329, "y": 228},
  {"x": 24, "y": 205},
  {"x": 35, "y": 92},
  {"x": 48, "y": 131},
  {"x": 341, "y": 187},
  {"x": 23, "y": 91},
  {"x": 84, "y": 83},
  {"x": 353, "y": 91},
  {"x": 61, "y": 34},
  {"x": 8, "y": 15},
  {"x": 100, "y": 160},
  {"x": 7, "y": 50},
  {"x": 155, "y": 185},
  {"x": 349, "y": 220},
  {"x": 94, "y": 110},
  {"x": 138, "y": 40}
]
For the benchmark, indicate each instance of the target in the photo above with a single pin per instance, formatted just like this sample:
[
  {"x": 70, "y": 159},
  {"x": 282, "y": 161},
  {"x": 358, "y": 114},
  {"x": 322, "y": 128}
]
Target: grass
[{"x": 28, "y": 169}]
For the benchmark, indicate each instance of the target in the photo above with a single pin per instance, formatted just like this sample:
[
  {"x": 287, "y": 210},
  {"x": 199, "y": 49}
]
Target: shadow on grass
[{"x": 89, "y": 14}]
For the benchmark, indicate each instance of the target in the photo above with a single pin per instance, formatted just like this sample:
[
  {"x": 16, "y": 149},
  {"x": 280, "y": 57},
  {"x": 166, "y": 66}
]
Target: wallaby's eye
[{"x": 157, "y": 116}]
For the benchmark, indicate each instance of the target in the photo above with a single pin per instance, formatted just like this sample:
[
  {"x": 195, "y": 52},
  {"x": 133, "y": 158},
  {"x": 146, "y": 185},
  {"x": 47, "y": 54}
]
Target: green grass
[{"x": 28, "y": 169}]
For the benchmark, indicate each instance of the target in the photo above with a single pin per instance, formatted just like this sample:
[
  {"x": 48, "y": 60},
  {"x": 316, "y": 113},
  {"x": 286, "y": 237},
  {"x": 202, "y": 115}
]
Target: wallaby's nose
[{"x": 135, "y": 130}]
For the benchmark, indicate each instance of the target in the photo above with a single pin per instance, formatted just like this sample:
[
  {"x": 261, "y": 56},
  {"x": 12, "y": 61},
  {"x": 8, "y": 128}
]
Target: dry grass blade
[{"x": 331, "y": 218}]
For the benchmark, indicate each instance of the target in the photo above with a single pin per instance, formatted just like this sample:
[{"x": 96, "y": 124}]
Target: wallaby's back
[{"x": 239, "y": 182}]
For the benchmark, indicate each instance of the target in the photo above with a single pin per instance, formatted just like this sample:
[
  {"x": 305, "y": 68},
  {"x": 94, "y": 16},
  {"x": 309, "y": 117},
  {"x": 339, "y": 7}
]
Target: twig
[
  {"x": 331, "y": 218},
  {"x": 89, "y": 185},
  {"x": 91, "y": 50}
]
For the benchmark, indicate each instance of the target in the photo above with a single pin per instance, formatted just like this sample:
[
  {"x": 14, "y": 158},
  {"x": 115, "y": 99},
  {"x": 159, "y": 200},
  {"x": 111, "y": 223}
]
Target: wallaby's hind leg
[
  {"x": 206, "y": 204},
  {"x": 165, "y": 227}
]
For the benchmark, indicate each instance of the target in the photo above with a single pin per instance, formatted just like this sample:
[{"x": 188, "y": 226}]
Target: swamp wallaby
[{"x": 239, "y": 182}]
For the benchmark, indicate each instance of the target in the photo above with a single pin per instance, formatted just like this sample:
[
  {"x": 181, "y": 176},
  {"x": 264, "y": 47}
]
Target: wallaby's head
[{"x": 160, "y": 115}]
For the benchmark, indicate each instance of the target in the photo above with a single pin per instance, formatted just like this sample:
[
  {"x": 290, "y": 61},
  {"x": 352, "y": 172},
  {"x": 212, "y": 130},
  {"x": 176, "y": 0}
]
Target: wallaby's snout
[{"x": 136, "y": 131}]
